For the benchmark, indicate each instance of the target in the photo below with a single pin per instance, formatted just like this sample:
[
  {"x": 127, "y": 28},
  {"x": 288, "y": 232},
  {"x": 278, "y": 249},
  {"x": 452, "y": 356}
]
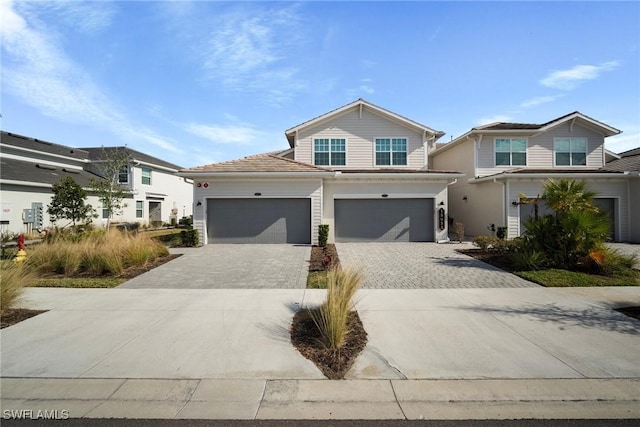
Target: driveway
[
  {"x": 423, "y": 265},
  {"x": 230, "y": 267}
]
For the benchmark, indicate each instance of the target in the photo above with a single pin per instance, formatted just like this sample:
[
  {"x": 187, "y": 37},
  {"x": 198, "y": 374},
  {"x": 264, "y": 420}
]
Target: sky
[{"x": 198, "y": 82}]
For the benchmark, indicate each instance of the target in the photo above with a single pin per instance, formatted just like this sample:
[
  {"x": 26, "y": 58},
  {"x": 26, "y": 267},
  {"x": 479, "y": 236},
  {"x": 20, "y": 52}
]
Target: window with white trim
[
  {"x": 511, "y": 151},
  {"x": 570, "y": 151},
  {"x": 139, "y": 208},
  {"x": 330, "y": 151},
  {"x": 146, "y": 176},
  {"x": 391, "y": 151},
  {"x": 123, "y": 175}
]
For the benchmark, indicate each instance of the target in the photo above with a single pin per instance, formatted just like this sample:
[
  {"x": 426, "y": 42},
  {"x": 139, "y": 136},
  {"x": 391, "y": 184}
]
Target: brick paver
[
  {"x": 231, "y": 267},
  {"x": 423, "y": 265}
]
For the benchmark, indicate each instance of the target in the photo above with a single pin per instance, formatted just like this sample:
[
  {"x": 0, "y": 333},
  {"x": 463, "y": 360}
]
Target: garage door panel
[
  {"x": 259, "y": 221},
  {"x": 391, "y": 220}
]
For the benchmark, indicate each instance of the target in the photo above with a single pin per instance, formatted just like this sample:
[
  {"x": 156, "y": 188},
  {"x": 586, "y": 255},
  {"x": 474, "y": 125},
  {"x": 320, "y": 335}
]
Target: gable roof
[
  {"x": 41, "y": 173},
  {"x": 33, "y": 144},
  {"x": 629, "y": 161},
  {"x": 97, "y": 154},
  {"x": 529, "y": 128},
  {"x": 265, "y": 163},
  {"x": 360, "y": 103}
]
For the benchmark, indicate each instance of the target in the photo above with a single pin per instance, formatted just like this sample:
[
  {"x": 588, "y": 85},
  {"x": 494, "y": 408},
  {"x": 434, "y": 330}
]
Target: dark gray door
[
  {"x": 608, "y": 206},
  {"x": 384, "y": 220},
  {"x": 259, "y": 221}
]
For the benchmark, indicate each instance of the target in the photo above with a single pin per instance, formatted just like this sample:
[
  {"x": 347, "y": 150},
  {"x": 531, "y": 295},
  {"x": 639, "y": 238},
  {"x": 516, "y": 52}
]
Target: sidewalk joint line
[
  {"x": 264, "y": 392},
  {"x": 395, "y": 396}
]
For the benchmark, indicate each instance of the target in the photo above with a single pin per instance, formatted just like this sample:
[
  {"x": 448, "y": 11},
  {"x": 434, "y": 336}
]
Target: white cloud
[
  {"x": 493, "y": 119},
  {"x": 538, "y": 100},
  {"x": 218, "y": 134},
  {"x": 572, "y": 77},
  {"x": 367, "y": 89},
  {"x": 36, "y": 70},
  {"x": 623, "y": 142}
]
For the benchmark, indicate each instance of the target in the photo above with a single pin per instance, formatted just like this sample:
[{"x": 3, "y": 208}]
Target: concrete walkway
[
  {"x": 225, "y": 353},
  {"x": 423, "y": 266}
]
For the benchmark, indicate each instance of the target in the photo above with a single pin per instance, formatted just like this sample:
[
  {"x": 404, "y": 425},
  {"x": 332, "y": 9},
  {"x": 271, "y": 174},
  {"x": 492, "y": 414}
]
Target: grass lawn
[
  {"x": 317, "y": 280},
  {"x": 555, "y": 278},
  {"x": 78, "y": 282}
]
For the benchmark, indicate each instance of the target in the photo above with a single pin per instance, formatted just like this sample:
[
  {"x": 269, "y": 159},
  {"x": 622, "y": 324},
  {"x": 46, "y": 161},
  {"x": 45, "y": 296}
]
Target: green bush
[
  {"x": 189, "y": 237},
  {"x": 323, "y": 235},
  {"x": 332, "y": 316},
  {"x": 527, "y": 259},
  {"x": 501, "y": 232},
  {"x": 482, "y": 242}
]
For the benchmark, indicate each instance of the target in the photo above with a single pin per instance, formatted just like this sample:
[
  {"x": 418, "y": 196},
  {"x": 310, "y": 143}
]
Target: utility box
[
  {"x": 27, "y": 216},
  {"x": 38, "y": 215}
]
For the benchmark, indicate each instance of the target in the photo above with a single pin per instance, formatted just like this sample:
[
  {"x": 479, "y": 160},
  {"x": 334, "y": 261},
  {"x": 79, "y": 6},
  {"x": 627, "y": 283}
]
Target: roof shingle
[{"x": 266, "y": 162}]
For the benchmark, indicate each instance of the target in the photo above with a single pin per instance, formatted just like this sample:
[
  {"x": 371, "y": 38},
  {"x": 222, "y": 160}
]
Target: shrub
[
  {"x": 323, "y": 235},
  {"x": 608, "y": 261},
  {"x": 482, "y": 242},
  {"x": 331, "y": 317},
  {"x": 527, "y": 259},
  {"x": 189, "y": 237},
  {"x": 501, "y": 233},
  {"x": 13, "y": 279}
]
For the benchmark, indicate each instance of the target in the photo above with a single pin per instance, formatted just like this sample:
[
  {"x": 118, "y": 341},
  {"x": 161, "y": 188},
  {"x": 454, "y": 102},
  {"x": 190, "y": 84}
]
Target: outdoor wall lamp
[
  {"x": 514, "y": 203},
  {"x": 441, "y": 204},
  {"x": 199, "y": 203},
  {"x": 257, "y": 194},
  {"x": 385, "y": 195},
  {"x": 464, "y": 198}
]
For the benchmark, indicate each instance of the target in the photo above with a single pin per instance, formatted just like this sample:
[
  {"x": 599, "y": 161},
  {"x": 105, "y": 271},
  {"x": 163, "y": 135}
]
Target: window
[
  {"x": 570, "y": 151},
  {"x": 391, "y": 151},
  {"x": 511, "y": 152},
  {"x": 105, "y": 212},
  {"x": 123, "y": 175},
  {"x": 330, "y": 151},
  {"x": 146, "y": 176},
  {"x": 139, "y": 208}
]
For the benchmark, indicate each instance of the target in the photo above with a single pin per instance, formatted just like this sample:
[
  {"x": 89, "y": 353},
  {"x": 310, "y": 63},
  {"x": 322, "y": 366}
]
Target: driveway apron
[
  {"x": 230, "y": 267},
  {"x": 423, "y": 266}
]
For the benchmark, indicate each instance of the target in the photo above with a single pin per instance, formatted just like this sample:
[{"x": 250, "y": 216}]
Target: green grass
[
  {"x": 78, "y": 282},
  {"x": 317, "y": 280},
  {"x": 556, "y": 278}
]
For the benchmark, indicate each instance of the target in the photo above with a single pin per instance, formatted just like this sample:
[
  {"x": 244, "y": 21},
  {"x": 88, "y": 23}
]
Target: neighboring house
[
  {"x": 360, "y": 169},
  {"x": 629, "y": 162},
  {"x": 503, "y": 161},
  {"x": 29, "y": 167}
]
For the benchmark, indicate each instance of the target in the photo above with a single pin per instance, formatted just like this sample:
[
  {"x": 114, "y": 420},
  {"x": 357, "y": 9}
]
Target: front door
[{"x": 155, "y": 212}]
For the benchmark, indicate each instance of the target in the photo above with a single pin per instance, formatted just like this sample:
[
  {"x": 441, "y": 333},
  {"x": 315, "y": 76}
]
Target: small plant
[
  {"x": 501, "y": 233},
  {"x": 189, "y": 237},
  {"x": 526, "y": 260},
  {"x": 331, "y": 317},
  {"x": 482, "y": 242},
  {"x": 14, "y": 277},
  {"x": 608, "y": 261},
  {"x": 323, "y": 235}
]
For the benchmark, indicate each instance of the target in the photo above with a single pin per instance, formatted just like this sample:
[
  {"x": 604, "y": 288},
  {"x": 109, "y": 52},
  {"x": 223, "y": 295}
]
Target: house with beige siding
[
  {"x": 360, "y": 168},
  {"x": 504, "y": 161}
]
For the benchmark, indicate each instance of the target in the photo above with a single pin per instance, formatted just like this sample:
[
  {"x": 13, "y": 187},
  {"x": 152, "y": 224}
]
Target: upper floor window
[
  {"x": 391, "y": 151},
  {"x": 330, "y": 151},
  {"x": 570, "y": 151},
  {"x": 511, "y": 152},
  {"x": 123, "y": 175},
  {"x": 146, "y": 176}
]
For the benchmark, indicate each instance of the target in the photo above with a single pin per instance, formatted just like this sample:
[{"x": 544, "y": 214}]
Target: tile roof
[
  {"x": 393, "y": 171},
  {"x": 18, "y": 170},
  {"x": 266, "y": 162},
  {"x": 97, "y": 153}
]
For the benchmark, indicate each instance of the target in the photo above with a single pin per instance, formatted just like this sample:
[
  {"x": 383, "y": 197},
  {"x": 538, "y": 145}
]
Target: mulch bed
[
  {"x": 334, "y": 363},
  {"x": 323, "y": 259},
  {"x": 495, "y": 259},
  {"x": 11, "y": 316}
]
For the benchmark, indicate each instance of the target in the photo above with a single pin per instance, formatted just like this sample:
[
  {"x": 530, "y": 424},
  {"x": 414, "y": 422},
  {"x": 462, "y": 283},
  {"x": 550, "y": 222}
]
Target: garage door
[
  {"x": 259, "y": 221},
  {"x": 388, "y": 220},
  {"x": 608, "y": 206}
]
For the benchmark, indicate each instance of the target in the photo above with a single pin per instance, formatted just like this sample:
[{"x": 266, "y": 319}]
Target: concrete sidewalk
[{"x": 220, "y": 353}]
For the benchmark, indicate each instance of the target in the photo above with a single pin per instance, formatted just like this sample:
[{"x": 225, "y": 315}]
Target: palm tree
[{"x": 566, "y": 195}]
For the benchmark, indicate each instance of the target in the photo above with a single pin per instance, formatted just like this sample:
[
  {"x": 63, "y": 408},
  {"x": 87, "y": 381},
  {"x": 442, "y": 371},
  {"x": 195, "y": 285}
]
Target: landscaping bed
[
  {"x": 12, "y": 316},
  {"x": 322, "y": 260}
]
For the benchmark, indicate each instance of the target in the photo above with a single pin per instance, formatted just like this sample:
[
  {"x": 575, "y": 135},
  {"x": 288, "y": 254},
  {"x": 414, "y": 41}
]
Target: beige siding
[
  {"x": 540, "y": 154},
  {"x": 610, "y": 188},
  {"x": 246, "y": 188},
  {"x": 340, "y": 188},
  {"x": 360, "y": 132},
  {"x": 483, "y": 206}
]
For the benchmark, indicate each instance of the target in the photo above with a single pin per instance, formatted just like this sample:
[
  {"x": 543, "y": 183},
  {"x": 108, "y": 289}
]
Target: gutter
[
  {"x": 399, "y": 175},
  {"x": 494, "y": 178},
  {"x": 209, "y": 174}
]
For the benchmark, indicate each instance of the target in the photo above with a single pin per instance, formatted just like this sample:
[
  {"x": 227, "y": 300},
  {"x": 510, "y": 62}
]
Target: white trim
[
  {"x": 571, "y": 166},
  {"x": 428, "y": 176},
  {"x": 220, "y": 174},
  {"x": 391, "y": 138},
  {"x": 551, "y": 174},
  {"x": 313, "y": 151},
  {"x": 45, "y": 153},
  {"x": 390, "y": 196},
  {"x": 510, "y": 165}
]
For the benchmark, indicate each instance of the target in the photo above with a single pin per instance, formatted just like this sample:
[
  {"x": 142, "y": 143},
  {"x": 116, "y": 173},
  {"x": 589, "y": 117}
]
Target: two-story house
[
  {"x": 505, "y": 161},
  {"x": 29, "y": 167},
  {"x": 360, "y": 169}
]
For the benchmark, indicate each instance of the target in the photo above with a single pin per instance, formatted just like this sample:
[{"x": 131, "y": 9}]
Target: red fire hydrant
[{"x": 22, "y": 254}]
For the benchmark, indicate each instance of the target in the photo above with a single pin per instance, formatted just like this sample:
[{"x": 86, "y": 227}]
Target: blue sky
[{"x": 201, "y": 82}]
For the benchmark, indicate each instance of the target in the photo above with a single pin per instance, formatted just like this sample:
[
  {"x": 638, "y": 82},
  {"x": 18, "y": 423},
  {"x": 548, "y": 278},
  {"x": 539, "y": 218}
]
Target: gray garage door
[
  {"x": 384, "y": 220},
  {"x": 259, "y": 221}
]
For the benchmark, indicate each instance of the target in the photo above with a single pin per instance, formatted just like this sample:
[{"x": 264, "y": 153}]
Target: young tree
[
  {"x": 108, "y": 188},
  {"x": 69, "y": 202}
]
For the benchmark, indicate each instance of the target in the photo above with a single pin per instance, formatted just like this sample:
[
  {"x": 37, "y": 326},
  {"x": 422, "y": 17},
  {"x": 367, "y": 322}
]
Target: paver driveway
[
  {"x": 230, "y": 267},
  {"x": 423, "y": 265}
]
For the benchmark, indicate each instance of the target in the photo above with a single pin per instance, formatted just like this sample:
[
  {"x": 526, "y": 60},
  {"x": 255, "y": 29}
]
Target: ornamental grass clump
[
  {"x": 331, "y": 318},
  {"x": 13, "y": 279}
]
